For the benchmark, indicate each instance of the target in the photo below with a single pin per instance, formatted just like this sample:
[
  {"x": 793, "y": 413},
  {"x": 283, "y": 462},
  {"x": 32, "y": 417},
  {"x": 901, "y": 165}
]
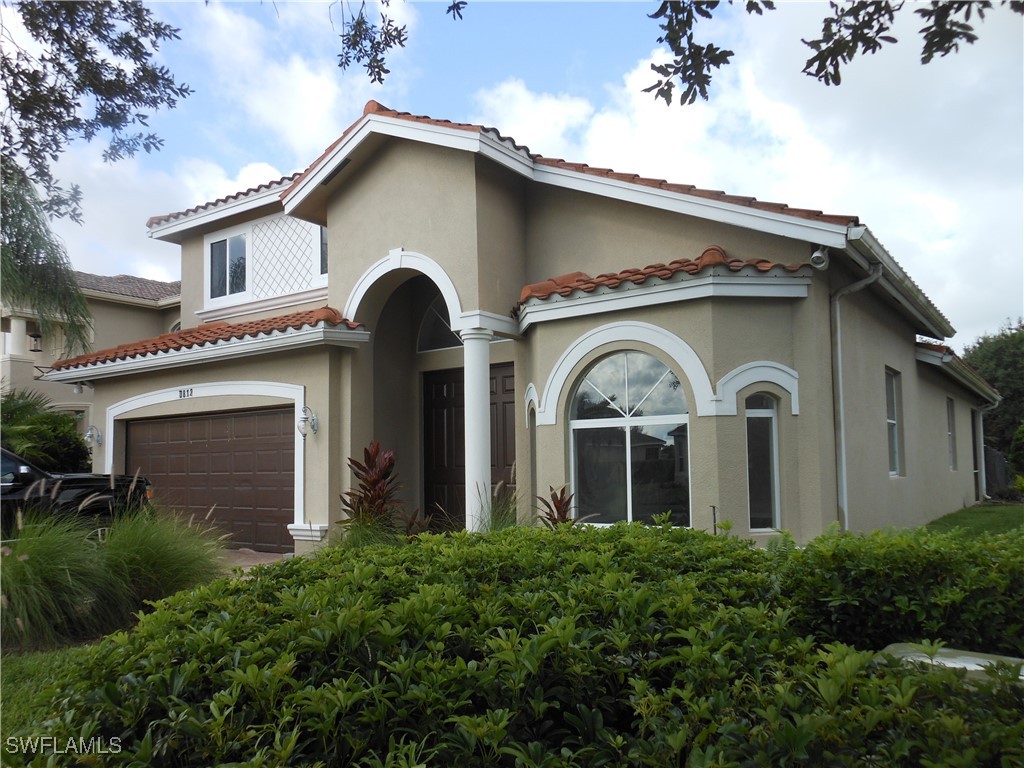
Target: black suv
[{"x": 98, "y": 498}]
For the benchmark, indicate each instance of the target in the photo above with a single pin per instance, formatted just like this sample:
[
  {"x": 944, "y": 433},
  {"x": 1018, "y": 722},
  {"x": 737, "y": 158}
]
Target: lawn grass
[
  {"x": 981, "y": 519},
  {"x": 26, "y": 682}
]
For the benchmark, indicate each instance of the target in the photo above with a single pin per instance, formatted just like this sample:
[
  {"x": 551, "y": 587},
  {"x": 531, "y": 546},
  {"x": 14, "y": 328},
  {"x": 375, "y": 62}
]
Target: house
[
  {"x": 495, "y": 315},
  {"x": 123, "y": 308}
]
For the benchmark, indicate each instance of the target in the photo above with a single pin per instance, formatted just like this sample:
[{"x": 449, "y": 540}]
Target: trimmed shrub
[
  {"x": 622, "y": 646},
  {"x": 909, "y": 585}
]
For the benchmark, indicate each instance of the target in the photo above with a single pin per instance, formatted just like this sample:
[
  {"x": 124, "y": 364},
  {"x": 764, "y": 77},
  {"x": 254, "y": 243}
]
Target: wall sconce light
[
  {"x": 307, "y": 422},
  {"x": 93, "y": 434},
  {"x": 35, "y": 342}
]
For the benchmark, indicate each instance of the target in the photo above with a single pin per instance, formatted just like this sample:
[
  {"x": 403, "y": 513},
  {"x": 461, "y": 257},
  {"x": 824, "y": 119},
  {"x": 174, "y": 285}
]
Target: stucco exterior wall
[
  {"x": 570, "y": 231},
  {"x": 409, "y": 196},
  {"x": 724, "y": 335},
  {"x": 876, "y": 338}
]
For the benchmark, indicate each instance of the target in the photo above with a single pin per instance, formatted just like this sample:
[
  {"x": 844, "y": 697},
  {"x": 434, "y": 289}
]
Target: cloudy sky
[{"x": 929, "y": 157}]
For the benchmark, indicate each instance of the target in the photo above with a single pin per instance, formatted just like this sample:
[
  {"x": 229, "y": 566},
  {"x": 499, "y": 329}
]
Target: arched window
[
  {"x": 762, "y": 462},
  {"x": 436, "y": 329},
  {"x": 629, "y": 426}
]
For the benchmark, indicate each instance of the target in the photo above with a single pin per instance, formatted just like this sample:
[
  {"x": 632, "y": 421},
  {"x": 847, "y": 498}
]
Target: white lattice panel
[{"x": 282, "y": 256}]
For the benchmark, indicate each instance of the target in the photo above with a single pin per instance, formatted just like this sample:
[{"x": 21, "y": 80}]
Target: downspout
[{"x": 838, "y": 405}]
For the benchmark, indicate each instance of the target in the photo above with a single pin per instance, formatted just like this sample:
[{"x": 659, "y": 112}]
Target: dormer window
[{"x": 228, "y": 274}]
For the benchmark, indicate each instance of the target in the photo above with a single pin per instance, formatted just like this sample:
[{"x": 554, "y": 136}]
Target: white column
[
  {"x": 477, "y": 362},
  {"x": 17, "y": 337}
]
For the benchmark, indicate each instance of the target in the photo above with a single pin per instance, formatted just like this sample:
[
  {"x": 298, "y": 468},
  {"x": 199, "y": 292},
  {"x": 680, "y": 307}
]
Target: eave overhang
[
  {"x": 864, "y": 249},
  {"x": 955, "y": 368},
  {"x": 654, "y": 292},
  {"x": 233, "y": 349}
]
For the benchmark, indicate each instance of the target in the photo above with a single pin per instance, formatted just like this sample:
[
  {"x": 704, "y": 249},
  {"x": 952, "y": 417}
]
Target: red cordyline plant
[
  {"x": 557, "y": 510},
  {"x": 374, "y": 497}
]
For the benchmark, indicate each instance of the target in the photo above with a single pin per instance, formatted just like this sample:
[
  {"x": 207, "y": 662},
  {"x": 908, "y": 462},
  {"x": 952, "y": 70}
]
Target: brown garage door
[{"x": 239, "y": 464}]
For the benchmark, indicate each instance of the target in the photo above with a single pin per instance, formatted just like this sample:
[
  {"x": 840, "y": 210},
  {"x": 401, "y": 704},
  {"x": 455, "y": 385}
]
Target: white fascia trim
[
  {"x": 898, "y": 284},
  {"x": 293, "y": 392},
  {"x": 247, "y": 203},
  {"x": 949, "y": 365},
  {"x": 631, "y": 296},
  {"x": 263, "y": 305},
  {"x": 276, "y": 341},
  {"x": 820, "y": 232},
  {"x": 453, "y": 138}
]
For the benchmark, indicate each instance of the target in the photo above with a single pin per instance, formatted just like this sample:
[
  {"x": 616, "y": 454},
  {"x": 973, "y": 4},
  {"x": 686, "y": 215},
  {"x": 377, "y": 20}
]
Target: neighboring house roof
[
  {"x": 220, "y": 335},
  {"x": 953, "y": 366},
  {"x": 129, "y": 286}
]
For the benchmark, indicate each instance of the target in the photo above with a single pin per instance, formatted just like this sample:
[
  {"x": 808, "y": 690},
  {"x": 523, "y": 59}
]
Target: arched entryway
[{"x": 422, "y": 395}]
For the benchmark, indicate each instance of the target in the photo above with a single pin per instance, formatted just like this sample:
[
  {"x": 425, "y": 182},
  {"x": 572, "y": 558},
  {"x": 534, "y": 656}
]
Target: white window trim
[
  {"x": 318, "y": 279},
  {"x": 772, "y": 415},
  {"x": 895, "y": 434},
  {"x": 951, "y": 434},
  {"x": 229, "y": 299}
]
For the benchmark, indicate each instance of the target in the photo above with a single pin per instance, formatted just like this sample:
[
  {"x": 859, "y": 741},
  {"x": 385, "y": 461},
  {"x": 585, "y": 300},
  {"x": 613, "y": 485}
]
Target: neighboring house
[
  {"x": 123, "y": 309},
  {"x": 488, "y": 314}
]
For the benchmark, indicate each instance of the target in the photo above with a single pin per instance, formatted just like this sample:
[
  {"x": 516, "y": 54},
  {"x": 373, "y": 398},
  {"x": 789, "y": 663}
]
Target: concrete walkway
[{"x": 246, "y": 558}]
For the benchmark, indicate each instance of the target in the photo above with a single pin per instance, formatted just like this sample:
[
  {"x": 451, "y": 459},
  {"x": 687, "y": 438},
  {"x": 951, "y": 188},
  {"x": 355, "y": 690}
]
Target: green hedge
[
  {"x": 625, "y": 646},
  {"x": 909, "y": 585}
]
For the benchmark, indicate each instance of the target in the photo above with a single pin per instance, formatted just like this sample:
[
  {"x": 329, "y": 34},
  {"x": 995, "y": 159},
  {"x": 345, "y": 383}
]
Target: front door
[{"x": 444, "y": 441}]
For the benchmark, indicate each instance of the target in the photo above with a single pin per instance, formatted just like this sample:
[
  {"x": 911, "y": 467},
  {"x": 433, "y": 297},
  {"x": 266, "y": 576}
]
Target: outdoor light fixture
[
  {"x": 307, "y": 422},
  {"x": 93, "y": 434},
  {"x": 35, "y": 342},
  {"x": 80, "y": 386}
]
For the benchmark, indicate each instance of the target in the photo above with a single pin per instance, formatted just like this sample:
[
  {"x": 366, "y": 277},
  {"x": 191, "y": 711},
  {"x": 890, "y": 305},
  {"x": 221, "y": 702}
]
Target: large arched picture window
[{"x": 629, "y": 426}]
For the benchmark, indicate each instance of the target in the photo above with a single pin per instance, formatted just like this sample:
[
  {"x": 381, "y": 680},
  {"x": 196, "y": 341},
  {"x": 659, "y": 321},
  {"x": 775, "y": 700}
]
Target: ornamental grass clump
[
  {"x": 61, "y": 583},
  {"x": 54, "y": 586}
]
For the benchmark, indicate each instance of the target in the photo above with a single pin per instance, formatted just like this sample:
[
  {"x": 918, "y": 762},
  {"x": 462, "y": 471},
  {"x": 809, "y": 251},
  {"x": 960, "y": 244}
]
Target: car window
[{"x": 8, "y": 470}]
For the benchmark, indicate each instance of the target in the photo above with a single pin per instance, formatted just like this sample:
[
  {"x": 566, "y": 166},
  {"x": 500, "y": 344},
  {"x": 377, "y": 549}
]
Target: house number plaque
[{"x": 183, "y": 393}]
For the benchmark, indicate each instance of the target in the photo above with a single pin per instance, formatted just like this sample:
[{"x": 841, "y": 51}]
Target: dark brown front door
[
  {"x": 240, "y": 465},
  {"x": 444, "y": 441}
]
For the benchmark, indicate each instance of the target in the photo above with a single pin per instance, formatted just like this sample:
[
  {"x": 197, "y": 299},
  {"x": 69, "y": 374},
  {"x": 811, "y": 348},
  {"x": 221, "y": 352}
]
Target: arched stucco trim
[
  {"x": 294, "y": 392},
  {"x": 729, "y": 386},
  {"x": 686, "y": 362},
  {"x": 399, "y": 258},
  {"x": 706, "y": 402}
]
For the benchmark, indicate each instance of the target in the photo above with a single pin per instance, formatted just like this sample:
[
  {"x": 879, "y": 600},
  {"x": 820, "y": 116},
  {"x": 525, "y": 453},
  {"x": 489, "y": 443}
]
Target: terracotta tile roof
[
  {"x": 284, "y": 180},
  {"x": 375, "y": 108},
  {"x": 209, "y": 333},
  {"x": 128, "y": 285},
  {"x": 713, "y": 256}
]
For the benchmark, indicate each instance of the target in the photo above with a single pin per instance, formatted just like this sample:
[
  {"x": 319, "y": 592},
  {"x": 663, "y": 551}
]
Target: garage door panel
[{"x": 240, "y": 464}]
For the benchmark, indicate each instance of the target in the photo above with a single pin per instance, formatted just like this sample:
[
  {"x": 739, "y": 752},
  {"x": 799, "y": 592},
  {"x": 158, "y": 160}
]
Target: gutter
[{"x": 838, "y": 403}]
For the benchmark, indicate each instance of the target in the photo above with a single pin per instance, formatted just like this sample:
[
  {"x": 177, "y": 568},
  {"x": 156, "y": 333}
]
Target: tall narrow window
[
  {"x": 323, "y": 250},
  {"x": 893, "y": 419},
  {"x": 951, "y": 431},
  {"x": 762, "y": 462},
  {"x": 629, "y": 429},
  {"x": 227, "y": 266}
]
